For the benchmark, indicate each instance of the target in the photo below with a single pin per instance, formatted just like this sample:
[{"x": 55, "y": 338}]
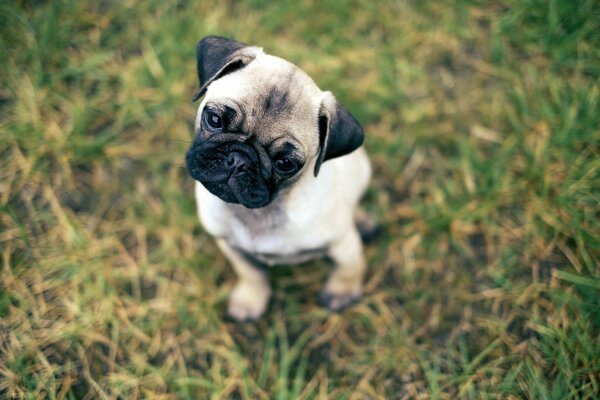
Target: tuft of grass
[{"x": 482, "y": 126}]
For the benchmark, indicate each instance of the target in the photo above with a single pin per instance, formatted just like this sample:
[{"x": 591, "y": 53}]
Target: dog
[{"x": 280, "y": 170}]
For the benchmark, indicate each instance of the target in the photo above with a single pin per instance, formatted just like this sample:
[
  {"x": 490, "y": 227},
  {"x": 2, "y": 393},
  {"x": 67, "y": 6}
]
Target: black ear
[
  {"x": 339, "y": 132},
  {"x": 217, "y": 56}
]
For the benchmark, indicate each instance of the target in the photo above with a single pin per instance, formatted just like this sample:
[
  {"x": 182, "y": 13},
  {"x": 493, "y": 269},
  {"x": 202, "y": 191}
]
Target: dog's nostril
[
  {"x": 237, "y": 163},
  {"x": 233, "y": 160}
]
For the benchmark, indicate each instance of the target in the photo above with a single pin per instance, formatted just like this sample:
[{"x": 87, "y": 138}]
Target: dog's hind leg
[
  {"x": 344, "y": 285},
  {"x": 367, "y": 225}
]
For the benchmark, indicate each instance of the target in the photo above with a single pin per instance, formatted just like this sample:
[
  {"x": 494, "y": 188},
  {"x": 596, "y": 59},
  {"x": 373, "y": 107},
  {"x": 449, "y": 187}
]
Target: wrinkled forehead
[
  {"x": 263, "y": 76},
  {"x": 274, "y": 96}
]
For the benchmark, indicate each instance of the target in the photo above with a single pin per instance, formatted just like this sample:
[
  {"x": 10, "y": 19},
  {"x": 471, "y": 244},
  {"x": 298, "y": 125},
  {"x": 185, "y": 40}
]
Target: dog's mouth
[
  {"x": 249, "y": 194},
  {"x": 231, "y": 173}
]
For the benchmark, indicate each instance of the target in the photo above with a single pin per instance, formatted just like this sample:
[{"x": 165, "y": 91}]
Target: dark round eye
[
  {"x": 213, "y": 120},
  {"x": 285, "y": 165}
]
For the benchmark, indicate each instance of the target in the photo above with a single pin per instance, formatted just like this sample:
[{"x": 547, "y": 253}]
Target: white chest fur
[{"x": 314, "y": 213}]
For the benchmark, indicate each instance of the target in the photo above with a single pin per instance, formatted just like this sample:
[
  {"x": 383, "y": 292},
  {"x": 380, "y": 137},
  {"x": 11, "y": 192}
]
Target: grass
[{"x": 482, "y": 124}]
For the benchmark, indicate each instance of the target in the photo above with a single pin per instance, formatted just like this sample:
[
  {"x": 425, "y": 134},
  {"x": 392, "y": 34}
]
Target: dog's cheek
[
  {"x": 212, "y": 169},
  {"x": 203, "y": 166},
  {"x": 221, "y": 190}
]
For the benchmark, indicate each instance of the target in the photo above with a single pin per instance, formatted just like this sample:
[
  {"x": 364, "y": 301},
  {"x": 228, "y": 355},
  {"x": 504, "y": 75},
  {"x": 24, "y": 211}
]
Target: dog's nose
[{"x": 237, "y": 163}]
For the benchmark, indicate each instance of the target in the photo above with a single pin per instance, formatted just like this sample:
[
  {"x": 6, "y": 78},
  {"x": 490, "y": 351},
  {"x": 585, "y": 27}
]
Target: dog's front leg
[
  {"x": 250, "y": 296},
  {"x": 344, "y": 285}
]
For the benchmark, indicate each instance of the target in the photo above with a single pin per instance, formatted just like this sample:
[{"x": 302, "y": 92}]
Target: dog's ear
[
  {"x": 339, "y": 132},
  {"x": 218, "y": 56}
]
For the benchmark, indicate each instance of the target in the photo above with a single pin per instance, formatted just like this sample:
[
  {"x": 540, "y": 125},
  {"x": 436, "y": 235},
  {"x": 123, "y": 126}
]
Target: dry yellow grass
[{"x": 482, "y": 125}]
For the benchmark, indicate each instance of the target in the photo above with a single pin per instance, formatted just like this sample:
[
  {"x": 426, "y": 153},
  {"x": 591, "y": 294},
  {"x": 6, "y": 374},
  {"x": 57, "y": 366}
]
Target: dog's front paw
[{"x": 248, "y": 302}]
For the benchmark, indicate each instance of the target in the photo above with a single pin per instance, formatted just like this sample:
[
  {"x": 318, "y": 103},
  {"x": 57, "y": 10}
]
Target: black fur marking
[
  {"x": 216, "y": 57},
  {"x": 279, "y": 99},
  {"x": 213, "y": 52},
  {"x": 276, "y": 101},
  {"x": 339, "y": 134},
  {"x": 208, "y": 164},
  {"x": 323, "y": 127},
  {"x": 345, "y": 134}
]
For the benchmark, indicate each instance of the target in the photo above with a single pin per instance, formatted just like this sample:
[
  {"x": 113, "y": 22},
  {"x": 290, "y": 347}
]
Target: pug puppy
[{"x": 280, "y": 171}]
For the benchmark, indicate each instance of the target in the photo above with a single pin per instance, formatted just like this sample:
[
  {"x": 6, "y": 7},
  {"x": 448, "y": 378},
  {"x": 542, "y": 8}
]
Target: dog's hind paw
[
  {"x": 337, "y": 302},
  {"x": 367, "y": 226}
]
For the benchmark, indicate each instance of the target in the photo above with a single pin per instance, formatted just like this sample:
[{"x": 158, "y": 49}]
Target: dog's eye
[
  {"x": 285, "y": 165},
  {"x": 213, "y": 120}
]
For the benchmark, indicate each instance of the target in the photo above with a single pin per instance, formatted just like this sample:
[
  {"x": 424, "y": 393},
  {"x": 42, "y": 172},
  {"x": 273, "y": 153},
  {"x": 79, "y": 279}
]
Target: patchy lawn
[{"x": 482, "y": 124}]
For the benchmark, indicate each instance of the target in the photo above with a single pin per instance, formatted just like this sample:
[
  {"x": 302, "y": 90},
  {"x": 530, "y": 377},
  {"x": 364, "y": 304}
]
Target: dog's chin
[{"x": 235, "y": 191}]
